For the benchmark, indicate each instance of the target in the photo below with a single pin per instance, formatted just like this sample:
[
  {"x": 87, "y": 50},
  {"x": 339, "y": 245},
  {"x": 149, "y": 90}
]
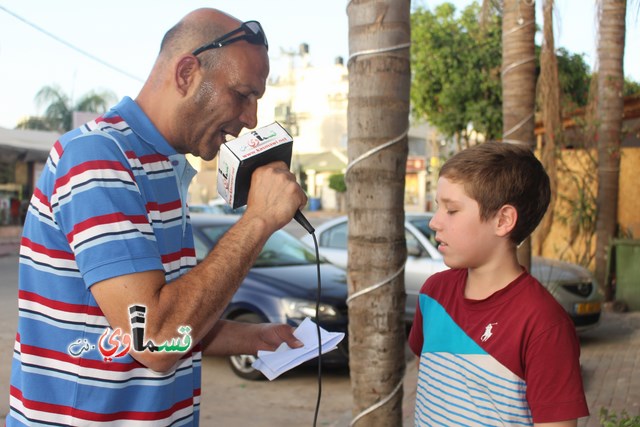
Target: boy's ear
[{"x": 506, "y": 217}]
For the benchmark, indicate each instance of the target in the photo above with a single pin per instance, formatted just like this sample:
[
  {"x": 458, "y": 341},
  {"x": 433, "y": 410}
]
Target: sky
[{"x": 126, "y": 36}]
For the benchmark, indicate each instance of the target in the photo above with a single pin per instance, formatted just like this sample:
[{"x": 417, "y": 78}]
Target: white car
[{"x": 573, "y": 286}]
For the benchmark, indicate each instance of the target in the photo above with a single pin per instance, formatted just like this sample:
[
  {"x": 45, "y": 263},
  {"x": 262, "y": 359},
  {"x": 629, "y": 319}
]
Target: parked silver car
[{"x": 573, "y": 286}]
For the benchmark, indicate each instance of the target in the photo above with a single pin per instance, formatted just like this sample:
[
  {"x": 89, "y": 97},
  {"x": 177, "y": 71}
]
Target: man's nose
[{"x": 249, "y": 115}]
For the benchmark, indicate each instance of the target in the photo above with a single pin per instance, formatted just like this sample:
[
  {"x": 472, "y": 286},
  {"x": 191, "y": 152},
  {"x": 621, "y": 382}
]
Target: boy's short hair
[{"x": 495, "y": 174}]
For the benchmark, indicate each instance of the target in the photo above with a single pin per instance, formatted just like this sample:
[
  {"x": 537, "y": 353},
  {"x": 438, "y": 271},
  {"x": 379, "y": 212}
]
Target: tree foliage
[
  {"x": 59, "y": 108},
  {"x": 456, "y": 70},
  {"x": 630, "y": 87},
  {"x": 456, "y": 63},
  {"x": 575, "y": 78},
  {"x": 32, "y": 122}
]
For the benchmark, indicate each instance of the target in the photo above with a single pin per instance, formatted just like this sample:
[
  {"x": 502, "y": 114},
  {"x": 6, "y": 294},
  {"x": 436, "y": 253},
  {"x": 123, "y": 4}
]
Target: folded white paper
[{"x": 274, "y": 363}]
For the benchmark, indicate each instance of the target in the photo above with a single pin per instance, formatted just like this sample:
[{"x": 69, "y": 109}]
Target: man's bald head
[{"x": 196, "y": 29}]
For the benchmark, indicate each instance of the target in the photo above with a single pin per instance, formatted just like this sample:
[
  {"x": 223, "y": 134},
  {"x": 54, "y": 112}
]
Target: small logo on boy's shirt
[{"x": 487, "y": 332}]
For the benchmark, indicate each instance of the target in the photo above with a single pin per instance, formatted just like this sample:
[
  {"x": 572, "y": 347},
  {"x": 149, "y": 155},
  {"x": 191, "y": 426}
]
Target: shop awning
[{"x": 25, "y": 145}]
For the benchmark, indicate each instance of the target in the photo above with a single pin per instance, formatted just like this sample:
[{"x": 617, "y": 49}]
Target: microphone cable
[
  {"x": 302, "y": 220},
  {"x": 318, "y": 293}
]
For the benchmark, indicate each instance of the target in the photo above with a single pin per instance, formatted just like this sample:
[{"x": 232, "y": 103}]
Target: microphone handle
[{"x": 304, "y": 222}]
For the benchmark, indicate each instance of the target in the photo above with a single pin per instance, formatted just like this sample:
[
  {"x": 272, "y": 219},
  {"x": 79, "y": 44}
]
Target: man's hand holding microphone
[{"x": 274, "y": 195}]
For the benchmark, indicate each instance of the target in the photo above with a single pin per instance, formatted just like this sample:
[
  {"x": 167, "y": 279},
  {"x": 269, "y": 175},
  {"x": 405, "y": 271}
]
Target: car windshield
[
  {"x": 281, "y": 249},
  {"x": 218, "y": 208},
  {"x": 206, "y": 209}
]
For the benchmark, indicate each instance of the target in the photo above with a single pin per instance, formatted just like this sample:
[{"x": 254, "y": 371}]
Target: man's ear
[
  {"x": 185, "y": 73},
  {"x": 507, "y": 217}
]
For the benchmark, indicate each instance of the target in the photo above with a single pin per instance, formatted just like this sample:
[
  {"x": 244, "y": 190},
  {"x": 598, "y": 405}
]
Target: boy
[{"x": 495, "y": 347}]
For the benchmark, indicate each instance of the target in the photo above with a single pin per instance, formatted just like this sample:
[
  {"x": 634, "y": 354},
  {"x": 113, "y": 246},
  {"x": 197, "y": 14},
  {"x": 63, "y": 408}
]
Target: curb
[{"x": 8, "y": 248}]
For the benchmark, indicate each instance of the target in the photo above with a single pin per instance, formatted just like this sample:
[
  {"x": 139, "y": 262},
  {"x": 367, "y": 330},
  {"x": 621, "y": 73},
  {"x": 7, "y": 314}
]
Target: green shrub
[
  {"x": 611, "y": 419},
  {"x": 336, "y": 182}
]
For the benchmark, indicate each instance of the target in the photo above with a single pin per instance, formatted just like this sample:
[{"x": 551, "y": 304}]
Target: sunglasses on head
[{"x": 251, "y": 31}]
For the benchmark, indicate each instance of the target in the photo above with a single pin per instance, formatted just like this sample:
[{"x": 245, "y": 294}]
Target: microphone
[
  {"x": 238, "y": 159},
  {"x": 304, "y": 222}
]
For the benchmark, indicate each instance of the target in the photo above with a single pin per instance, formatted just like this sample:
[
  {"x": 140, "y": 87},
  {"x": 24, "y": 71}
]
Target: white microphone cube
[{"x": 238, "y": 159}]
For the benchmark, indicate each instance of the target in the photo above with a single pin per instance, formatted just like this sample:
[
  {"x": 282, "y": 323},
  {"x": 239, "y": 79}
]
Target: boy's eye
[{"x": 451, "y": 212}]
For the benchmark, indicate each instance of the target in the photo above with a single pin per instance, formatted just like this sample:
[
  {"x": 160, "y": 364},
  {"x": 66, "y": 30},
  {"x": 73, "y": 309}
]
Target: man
[{"x": 114, "y": 314}]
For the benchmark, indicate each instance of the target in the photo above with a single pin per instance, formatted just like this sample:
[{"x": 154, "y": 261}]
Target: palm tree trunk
[
  {"x": 549, "y": 101},
  {"x": 519, "y": 82},
  {"x": 609, "y": 110},
  {"x": 378, "y": 112}
]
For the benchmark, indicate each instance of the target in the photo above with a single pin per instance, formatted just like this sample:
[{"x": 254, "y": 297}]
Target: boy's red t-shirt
[{"x": 513, "y": 356}]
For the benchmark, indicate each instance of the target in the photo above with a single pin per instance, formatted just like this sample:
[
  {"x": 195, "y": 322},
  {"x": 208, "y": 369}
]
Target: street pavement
[{"x": 610, "y": 358}]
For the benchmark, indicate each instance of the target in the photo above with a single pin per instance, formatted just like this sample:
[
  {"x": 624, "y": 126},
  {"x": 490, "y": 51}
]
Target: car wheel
[{"x": 241, "y": 364}]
